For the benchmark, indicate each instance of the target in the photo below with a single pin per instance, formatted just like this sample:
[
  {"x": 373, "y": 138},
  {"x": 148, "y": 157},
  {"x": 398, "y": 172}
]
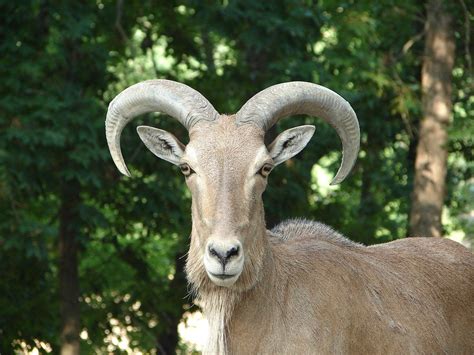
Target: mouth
[{"x": 222, "y": 276}]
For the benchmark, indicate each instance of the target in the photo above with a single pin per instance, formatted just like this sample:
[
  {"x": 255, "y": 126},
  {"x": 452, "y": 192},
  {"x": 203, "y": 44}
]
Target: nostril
[
  {"x": 234, "y": 251},
  {"x": 222, "y": 254},
  {"x": 213, "y": 252}
]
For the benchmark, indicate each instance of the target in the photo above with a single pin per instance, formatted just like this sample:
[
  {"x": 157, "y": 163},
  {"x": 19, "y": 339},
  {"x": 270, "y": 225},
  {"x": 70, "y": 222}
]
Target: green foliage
[{"x": 61, "y": 63}]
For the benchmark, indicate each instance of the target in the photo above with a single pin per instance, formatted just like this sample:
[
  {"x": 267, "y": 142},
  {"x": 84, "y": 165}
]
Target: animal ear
[
  {"x": 290, "y": 142},
  {"x": 161, "y": 143}
]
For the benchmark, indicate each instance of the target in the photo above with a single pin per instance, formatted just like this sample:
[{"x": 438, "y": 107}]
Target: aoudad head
[{"x": 226, "y": 163}]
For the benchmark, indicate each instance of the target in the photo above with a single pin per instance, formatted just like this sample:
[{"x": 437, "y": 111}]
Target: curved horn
[
  {"x": 174, "y": 99},
  {"x": 270, "y": 105}
]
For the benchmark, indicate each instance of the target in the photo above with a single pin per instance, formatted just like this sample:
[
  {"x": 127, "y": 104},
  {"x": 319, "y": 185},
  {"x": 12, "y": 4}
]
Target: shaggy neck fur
[{"x": 218, "y": 303}]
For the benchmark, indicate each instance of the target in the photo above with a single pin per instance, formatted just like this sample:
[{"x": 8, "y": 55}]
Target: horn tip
[
  {"x": 124, "y": 170},
  {"x": 338, "y": 179}
]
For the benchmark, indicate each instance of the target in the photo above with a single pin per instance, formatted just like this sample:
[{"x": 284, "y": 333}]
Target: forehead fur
[{"x": 224, "y": 136}]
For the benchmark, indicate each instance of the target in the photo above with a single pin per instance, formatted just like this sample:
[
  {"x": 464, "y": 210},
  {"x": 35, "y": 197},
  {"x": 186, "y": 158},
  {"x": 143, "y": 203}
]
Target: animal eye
[
  {"x": 265, "y": 170},
  {"x": 186, "y": 169}
]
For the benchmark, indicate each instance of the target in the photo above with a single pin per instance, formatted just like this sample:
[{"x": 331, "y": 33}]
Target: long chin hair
[
  {"x": 218, "y": 306},
  {"x": 218, "y": 303}
]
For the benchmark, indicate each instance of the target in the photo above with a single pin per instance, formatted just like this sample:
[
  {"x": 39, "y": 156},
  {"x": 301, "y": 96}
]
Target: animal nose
[{"x": 222, "y": 253}]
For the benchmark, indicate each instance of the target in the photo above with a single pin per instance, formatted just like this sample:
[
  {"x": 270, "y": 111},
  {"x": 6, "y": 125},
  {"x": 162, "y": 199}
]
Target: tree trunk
[
  {"x": 431, "y": 153},
  {"x": 167, "y": 340},
  {"x": 68, "y": 269}
]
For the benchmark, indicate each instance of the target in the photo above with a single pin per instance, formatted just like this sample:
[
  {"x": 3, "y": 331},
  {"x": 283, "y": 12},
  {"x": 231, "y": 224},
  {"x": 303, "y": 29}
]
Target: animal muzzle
[{"x": 224, "y": 261}]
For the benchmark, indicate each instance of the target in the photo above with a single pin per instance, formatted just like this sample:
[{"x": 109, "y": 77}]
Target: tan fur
[{"x": 304, "y": 288}]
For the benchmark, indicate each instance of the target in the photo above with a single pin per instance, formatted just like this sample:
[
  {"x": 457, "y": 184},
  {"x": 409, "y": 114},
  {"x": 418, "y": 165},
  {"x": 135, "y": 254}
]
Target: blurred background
[{"x": 93, "y": 258}]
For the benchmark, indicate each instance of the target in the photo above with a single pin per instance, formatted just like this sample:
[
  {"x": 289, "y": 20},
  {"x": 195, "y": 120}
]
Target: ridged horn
[
  {"x": 276, "y": 102},
  {"x": 174, "y": 99}
]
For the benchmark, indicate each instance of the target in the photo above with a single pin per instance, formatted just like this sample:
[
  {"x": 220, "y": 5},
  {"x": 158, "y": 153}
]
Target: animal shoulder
[{"x": 302, "y": 229}]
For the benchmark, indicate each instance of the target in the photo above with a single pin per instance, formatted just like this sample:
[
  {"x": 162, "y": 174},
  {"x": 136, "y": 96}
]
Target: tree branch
[
  {"x": 118, "y": 21},
  {"x": 467, "y": 42}
]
